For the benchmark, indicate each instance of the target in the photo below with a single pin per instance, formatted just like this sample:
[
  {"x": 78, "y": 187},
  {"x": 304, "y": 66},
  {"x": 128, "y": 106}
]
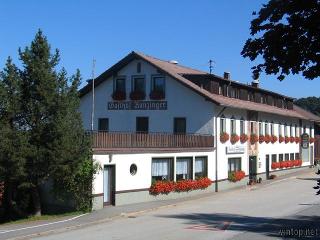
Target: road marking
[
  {"x": 42, "y": 225},
  {"x": 211, "y": 227}
]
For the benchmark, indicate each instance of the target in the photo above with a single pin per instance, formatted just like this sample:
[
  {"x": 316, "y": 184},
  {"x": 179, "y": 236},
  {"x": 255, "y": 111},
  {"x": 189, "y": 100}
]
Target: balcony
[{"x": 149, "y": 142}]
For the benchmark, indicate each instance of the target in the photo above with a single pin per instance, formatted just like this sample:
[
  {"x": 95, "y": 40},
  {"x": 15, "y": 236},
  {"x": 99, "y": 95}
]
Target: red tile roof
[{"x": 176, "y": 71}]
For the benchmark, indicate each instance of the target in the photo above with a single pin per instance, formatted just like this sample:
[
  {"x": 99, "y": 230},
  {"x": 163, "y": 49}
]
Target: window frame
[
  {"x": 274, "y": 159},
  {"x": 238, "y": 165},
  {"x": 133, "y": 83},
  {"x": 242, "y": 126},
  {"x": 170, "y": 169},
  {"x": 157, "y": 76},
  {"x": 223, "y": 127},
  {"x": 137, "y": 124},
  {"x": 233, "y": 126},
  {"x": 189, "y": 174},
  {"x": 205, "y": 164},
  {"x": 99, "y": 124},
  {"x": 175, "y": 125},
  {"x": 115, "y": 83}
]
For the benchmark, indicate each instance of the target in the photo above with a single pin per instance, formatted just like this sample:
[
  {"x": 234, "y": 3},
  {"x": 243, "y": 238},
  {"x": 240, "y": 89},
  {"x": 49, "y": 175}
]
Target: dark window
[
  {"x": 180, "y": 126},
  {"x": 297, "y": 156},
  {"x": 242, "y": 131},
  {"x": 274, "y": 158},
  {"x": 158, "y": 83},
  {"x": 222, "y": 124},
  {"x": 184, "y": 168},
  {"x": 234, "y": 164},
  {"x": 139, "y": 84},
  {"x": 233, "y": 126},
  {"x": 200, "y": 168},
  {"x": 103, "y": 124},
  {"x": 142, "y": 124},
  {"x": 286, "y": 156},
  {"x": 291, "y": 156},
  {"x": 280, "y": 157},
  {"x": 120, "y": 85},
  {"x": 161, "y": 169},
  {"x": 138, "y": 67},
  {"x": 133, "y": 169}
]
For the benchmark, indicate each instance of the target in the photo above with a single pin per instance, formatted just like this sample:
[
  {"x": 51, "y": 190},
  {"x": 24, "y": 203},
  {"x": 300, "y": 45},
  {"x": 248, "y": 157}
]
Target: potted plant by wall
[
  {"x": 157, "y": 95},
  {"x": 281, "y": 139},
  {"x": 236, "y": 176},
  {"x": 311, "y": 140},
  {"x": 267, "y": 138},
  {"x": 261, "y": 138},
  {"x": 274, "y": 139},
  {"x": 118, "y": 95},
  {"x": 254, "y": 138},
  {"x": 286, "y": 140},
  {"x": 137, "y": 95},
  {"x": 243, "y": 138},
  {"x": 297, "y": 139},
  {"x": 292, "y": 139},
  {"x": 234, "y": 138},
  {"x": 224, "y": 137},
  {"x": 275, "y": 165}
]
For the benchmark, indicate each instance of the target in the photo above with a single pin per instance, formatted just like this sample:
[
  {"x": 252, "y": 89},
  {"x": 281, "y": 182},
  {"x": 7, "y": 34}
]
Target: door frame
[
  {"x": 267, "y": 166},
  {"x": 112, "y": 184},
  {"x": 253, "y": 176}
]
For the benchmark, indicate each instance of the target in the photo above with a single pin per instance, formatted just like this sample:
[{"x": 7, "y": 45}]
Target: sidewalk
[{"x": 114, "y": 212}]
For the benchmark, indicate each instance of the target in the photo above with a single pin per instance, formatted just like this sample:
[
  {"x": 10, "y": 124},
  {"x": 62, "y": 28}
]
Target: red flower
[
  {"x": 243, "y": 138},
  {"x": 236, "y": 176},
  {"x": 157, "y": 95},
  {"x": 163, "y": 187},
  {"x": 291, "y": 163},
  {"x": 311, "y": 140},
  {"x": 274, "y": 139},
  {"x": 224, "y": 137},
  {"x": 292, "y": 139},
  {"x": 267, "y": 138},
  {"x": 261, "y": 139},
  {"x": 281, "y": 139},
  {"x": 283, "y": 164},
  {"x": 275, "y": 165},
  {"x": 119, "y": 95},
  {"x": 234, "y": 138},
  {"x": 254, "y": 138},
  {"x": 286, "y": 140},
  {"x": 297, "y": 139},
  {"x": 137, "y": 95}
]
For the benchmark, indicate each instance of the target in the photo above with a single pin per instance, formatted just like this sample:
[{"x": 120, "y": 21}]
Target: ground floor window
[
  {"x": 280, "y": 157},
  {"x": 184, "y": 168},
  {"x": 291, "y": 156},
  {"x": 234, "y": 164},
  {"x": 297, "y": 156},
  {"x": 286, "y": 156},
  {"x": 274, "y": 158},
  {"x": 161, "y": 169},
  {"x": 200, "y": 168}
]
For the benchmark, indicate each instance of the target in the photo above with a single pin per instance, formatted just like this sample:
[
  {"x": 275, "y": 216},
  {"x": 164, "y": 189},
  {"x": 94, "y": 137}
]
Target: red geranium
[
  {"x": 274, "y": 138},
  {"x": 283, "y": 164},
  {"x": 137, "y": 95},
  {"x": 286, "y": 139},
  {"x": 275, "y": 165},
  {"x": 224, "y": 137},
  {"x": 163, "y": 187},
  {"x": 234, "y": 138},
  {"x": 297, "y": 139},
  {"x": 281, "y": 139},
  {"x": 311, "y": 140},
  {"x": 267, "y": 138},
  {"x": 243, "y": 138},
  {"x": 292, "y": 139},
  {"x": 157, "y": 95},
  {"x": 261, "y": 138},
  {"x": 236, "y": 176},
  {"x": 254, "y": 138},
  {"x": 119, "y": 95},
  {"x": 291, "y": 163}
]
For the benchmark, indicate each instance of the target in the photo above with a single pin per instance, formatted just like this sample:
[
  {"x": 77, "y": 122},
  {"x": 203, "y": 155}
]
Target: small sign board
[
  {"x": 305, "y": 140},
  {"x": 236, "y": 149},
  {"x": 137, "y": 105}
]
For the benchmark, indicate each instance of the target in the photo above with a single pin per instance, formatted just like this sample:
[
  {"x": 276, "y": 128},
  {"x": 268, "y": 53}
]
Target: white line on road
[{"x": 42, "y": 225}]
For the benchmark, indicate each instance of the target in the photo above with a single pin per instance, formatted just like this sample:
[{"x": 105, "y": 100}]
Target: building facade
[{"x": 156, "y": 120}]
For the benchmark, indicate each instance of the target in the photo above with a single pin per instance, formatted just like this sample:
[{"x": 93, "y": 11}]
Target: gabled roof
[{"x": 177, "y": 72}]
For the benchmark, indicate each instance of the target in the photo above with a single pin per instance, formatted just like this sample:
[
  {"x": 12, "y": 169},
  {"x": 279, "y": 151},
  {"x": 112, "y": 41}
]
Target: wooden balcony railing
[{"x": 120, "y": 140}]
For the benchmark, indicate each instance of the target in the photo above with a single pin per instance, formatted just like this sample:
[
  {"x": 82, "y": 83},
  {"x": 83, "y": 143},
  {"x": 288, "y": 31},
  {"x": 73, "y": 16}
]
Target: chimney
[
  {"x": 226, "y": 75},
  {"x": 255, "y": 83}
]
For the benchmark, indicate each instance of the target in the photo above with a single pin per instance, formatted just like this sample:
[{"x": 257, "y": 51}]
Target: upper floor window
[
  {"x": 139, "y": 84},
  {"x": 291, "y": 132},
  {"x": 142, "y": 124},
  {"x": 138, "y": 67},
  {"x": 272, "y": 128},
  {"x": 179, "y": 126},
  {"x": 233, "y": 126},
  {"x": 252, "y": 128},
  {"x": 260, "y": 128},
  {"x": 157, "y": 87},
  {"x": 103, "y": 124},
  {"x": 304, "y": 129},
  {"x": 296, "y": 130},
  {"x": 280, "y": 130},
  {"x": 285, "y": 130},
  {"x": 311, "y": 132},
  {"x": 222, "y": 124},
  {"x": 120, "y": 84},
  {"x": 242, "y": 127},
  {"x": 266, "y": 128}
]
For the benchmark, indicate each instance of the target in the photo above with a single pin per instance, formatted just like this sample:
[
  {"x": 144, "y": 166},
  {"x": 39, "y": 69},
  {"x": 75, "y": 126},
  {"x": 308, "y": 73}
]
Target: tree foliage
[
  {"x": 286, "y": 34},
  {"x": 311, "y": 104}
]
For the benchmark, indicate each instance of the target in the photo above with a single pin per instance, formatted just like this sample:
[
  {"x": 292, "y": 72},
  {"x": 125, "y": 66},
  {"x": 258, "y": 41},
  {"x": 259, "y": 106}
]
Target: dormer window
[
  {"x": 138, "y": 88},
  {"x": 158, "y": 87},
  {"x": 119, "y": 89}
]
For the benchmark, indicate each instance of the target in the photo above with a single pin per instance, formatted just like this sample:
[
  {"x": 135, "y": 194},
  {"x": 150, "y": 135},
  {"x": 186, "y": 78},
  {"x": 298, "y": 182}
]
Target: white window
[
  {"x": 291, "y": 132},
  {"x": 280, "y": 130},
  {"x": 311, "y": 132},
  {"x": 234, "y": 164},
  {"x": 233, "y": 126},
  {"x": 266, "y": 128},
  {"x": 285, "y": 130},
  {"x": 242, "y": 127},
  {"x": 222, "y": 124},
  {"x": 161, "y": 169},
  {"x": 272, "y": 129},
  {"x": 184, "y": 168},
  {"x": 260, "y": 129},
  {"x": 200, "y": 168},
  {"x": 296, "y": 130}
]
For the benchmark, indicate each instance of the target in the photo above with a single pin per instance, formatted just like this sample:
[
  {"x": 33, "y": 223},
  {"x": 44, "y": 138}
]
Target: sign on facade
[
  {"x": 305, "y": 141},
  {"x": 235, "y": 149},
  {"x": 138, "y": 105}
]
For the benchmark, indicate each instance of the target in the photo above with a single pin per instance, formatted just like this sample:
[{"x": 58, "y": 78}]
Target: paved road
[{"x": 288, "y": 207}]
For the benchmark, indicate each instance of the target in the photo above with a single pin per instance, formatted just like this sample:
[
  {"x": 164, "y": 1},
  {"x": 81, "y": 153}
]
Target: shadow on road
[{"x": 284, "y": 227}]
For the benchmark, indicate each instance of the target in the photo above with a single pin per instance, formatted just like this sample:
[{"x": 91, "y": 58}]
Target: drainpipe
[{"x": 216, "y": 144}]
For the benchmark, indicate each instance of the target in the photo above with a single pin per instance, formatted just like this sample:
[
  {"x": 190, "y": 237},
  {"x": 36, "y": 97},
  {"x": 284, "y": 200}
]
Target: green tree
[
  {"x": 311, "y": 104},
  {"x": 286, "y": 35}
]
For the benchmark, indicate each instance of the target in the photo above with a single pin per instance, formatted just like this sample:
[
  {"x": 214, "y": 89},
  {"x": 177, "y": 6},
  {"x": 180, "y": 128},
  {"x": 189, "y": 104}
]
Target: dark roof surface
[{"x": 177, "y": 71}]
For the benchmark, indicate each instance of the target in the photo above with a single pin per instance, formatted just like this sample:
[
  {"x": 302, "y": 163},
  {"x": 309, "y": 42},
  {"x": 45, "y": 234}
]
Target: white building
[{"x": 159, "y": 120}]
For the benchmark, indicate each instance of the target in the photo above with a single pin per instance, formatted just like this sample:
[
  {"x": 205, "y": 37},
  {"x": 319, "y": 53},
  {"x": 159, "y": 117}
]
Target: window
[
  {"x": 280, "y": 130},
  {"x": 296, "y": 130},
  {"x": 103, "y": 124},
  {"x": 133, "y": 169},
  {"x": 233, "y": 126},
  {"x": 234, "y": 164},
  {"x": 260, "y": 129},
  {"x": 285, "y": 130},
  {"x": 120, "y": 84},
  {"x": 158, "y": 84},
  {"x": 242, "y": 127},
  {"x": 291, "y": 156},
  {"x": 280, "y": 157},
  {"x": 272, "y": 129},
  {"x": 304, "y": 129},
  {"x": 161, "y": 169},
  {"x": 139, "y": 84},
  {"x": 180, "y": 126},
  {"x": 184, "y": 168},
  {"x": 286, "y": 156},
  {"x": 200, "y": 167},
  {"x": 311, "y": 132},
  {"x": 252, "y": 130},
  {"x": 142, "y": 124},
  {"x": 138, "y": 67},
  {"x": 222, "y": 124},
  {"x": 297, "y": 156},
  {"x": 291, "y": 133},
  {"x": 274, "y": 158},
  {"x": 266, "y": 128}
]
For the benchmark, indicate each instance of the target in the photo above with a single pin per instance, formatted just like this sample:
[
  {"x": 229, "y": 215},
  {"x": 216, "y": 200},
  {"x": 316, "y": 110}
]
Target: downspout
[{"x": 216, "y": 144}]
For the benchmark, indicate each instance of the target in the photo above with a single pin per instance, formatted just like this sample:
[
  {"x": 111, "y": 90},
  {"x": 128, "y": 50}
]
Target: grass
[{"x": 41, "y": 218}]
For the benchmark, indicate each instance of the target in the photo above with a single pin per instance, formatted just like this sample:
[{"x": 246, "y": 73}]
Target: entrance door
[
  {"x": 109, "y": 185},
  {"x": 267, "y": 166},
  {"x": 252, "y": 167}
]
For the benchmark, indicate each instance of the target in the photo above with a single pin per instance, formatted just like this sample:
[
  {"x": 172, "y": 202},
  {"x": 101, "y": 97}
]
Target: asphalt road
[{"x": 287, "y": 208}]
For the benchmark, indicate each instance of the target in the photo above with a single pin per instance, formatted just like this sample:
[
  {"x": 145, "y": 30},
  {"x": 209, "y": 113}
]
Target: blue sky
[{"x": 189, "y": 31}]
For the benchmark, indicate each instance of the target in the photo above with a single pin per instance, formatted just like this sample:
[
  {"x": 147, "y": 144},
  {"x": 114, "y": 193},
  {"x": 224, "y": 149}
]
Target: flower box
[
  {"x": 254, "y": 138},
  {"x": 261, "y": 138},
  {"x": 224, "y": 137},
  {"x": 297, "y": 139},
  {"x": 311, "y": 140},
  {"x": 274, "y": 139},
  {"x": 281, "y": 139},
  {"x": 286, "y": 140},
  {"x": 267, "y": 138},
  {"x": 165, "y": 187},
  {"x": 236, "y": 176},
  {"x": 137, "y": 95},
  {"x": 119, "y": 95},
  {"x": 234, "y": 138},
  {"x": 243, "y": 138},
  {"x": 275, "y": 165},
  {"x": 157, "y": 95},
  {"x": 292, "y": 139}
]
